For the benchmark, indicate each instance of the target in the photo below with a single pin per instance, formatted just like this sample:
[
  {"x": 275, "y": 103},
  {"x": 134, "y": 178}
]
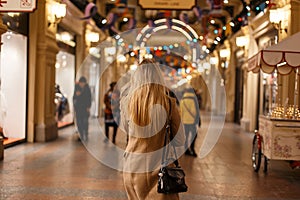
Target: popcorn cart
[
  {"x": 277, "y": 139},
  {"x": 278, "y": 136}
]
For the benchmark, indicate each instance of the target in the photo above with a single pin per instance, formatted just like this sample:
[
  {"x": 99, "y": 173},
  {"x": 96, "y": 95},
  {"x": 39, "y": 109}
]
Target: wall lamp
[
  {"x": 242, "y": 41},
  {"x": 56, "y": 12},
  {"x": 92, "y": 36},
  {"x": 224, "y": 53},
  {"x": 279, "y": 18}
]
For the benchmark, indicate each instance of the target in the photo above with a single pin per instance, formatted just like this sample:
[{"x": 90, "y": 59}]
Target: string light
[{"x": 238, "y": 21}]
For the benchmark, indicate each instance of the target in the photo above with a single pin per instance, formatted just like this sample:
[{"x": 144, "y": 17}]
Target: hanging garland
[
  {"x": 241, "y": 19},
  {"x": 120, "y": 11},
  {"x": 89, "y": 12},
  {"x": 116, "y": 14}
]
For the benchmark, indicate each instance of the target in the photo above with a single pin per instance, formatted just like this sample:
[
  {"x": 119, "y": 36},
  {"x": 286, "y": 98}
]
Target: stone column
[
  {"x": 287, "y": 82},
  {"x": 230, "y": 83},
  {"x": 1, "y": 148},
  {"x": 42, "y": 76},
  {"x": 294, "y": 26},
  {"x": 3, "y": 29}
]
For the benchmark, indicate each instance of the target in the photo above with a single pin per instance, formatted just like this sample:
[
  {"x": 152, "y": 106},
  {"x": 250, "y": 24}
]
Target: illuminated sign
[
  {"x": 167, "y": 4},
  {"x": 17, "y": 5}
]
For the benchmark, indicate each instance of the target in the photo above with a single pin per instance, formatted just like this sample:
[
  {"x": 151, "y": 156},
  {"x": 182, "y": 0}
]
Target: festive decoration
[
  {"x": 198, "y": 12},
  {"x": 215, "y": 4},
  {"x": 151, "y": 23},
  {"x": 241, "y": 19},
  {"x": 90, "y": 11},
  {"x": 121, "y": 3},
  {"x": 270, "y": 4},
  {"x": 169, "y": 23},
  {"x": 110, "y": 23},
  {"x": 120, "y": 11},
  {"x": 121, "y": 19},
  {"x": 184, "y": 17}
]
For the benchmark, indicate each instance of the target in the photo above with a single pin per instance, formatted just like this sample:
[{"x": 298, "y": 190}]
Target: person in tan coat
[{"x": 143, "y": 117}]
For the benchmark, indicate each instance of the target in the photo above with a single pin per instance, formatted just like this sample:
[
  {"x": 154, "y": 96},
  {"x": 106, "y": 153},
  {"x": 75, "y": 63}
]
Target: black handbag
[{"x": 170, "y": 179}]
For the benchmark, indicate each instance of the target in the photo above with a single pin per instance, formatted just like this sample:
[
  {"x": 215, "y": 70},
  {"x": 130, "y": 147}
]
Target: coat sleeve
[{"x": 176, "y": 125}]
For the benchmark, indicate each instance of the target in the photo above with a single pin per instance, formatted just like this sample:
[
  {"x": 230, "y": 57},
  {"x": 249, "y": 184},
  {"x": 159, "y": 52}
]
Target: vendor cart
[
  {"x": 278, "y": 136},
  {"x": 277, "y": 139}
]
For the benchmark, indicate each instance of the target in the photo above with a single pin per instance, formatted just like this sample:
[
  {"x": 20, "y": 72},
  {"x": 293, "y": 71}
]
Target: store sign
[
  {"x": 167, "y": 4},
  {"x": 17, "y": 5}
]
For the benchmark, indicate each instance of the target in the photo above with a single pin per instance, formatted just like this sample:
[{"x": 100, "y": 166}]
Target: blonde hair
[{"x": 147, "y": 90}]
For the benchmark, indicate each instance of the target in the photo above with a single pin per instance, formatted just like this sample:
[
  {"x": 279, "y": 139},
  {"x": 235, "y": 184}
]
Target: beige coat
[{"x": 143, "y": 157}]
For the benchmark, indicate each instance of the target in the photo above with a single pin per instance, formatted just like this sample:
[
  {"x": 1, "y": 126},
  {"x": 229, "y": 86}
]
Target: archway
[{"x": 176, "y": 25}]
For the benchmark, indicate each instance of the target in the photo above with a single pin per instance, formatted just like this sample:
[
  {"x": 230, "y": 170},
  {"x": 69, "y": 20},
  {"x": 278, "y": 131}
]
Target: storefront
[
  {"x": 65, "y": 77},
  {"x": 260, "y": 37},
  {"x": 13, "y": 77}
]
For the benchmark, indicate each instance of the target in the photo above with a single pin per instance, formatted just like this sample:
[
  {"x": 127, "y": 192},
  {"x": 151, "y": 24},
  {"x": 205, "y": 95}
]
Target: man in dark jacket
[{"x": 82, "y": 105}]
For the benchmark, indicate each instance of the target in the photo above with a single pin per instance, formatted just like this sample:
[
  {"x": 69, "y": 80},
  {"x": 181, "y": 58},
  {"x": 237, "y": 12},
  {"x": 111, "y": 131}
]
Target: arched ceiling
[{"x": 209, "y": 18}]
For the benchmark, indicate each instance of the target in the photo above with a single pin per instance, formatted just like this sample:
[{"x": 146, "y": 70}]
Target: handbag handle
[{"x": 166, "y": 148}]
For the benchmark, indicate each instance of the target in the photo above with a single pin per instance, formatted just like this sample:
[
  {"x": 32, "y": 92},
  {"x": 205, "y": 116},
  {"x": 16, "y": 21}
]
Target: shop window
[{"x": 13, "y": 75}]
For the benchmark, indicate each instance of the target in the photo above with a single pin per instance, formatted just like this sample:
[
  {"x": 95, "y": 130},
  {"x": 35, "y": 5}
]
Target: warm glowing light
[
  {"x": 133, "y": 67},
  {"x": 224, "y": 53},
  {"x": 206, "y": 65},
  {"x": 92, "y": 37},
  {"x": 213, "y": 60},
  {"x": 241, "y": 41},
  {"x": 189, "y": 77},
  {"x": 121, "y": 58},
  {"x": 104, "y": 21},
  {"x": 66, "y": 36},
  {"x": 56, "y": 11},
  {"x": 132, "y": 54},
  {"x": 13, "y": 14}
]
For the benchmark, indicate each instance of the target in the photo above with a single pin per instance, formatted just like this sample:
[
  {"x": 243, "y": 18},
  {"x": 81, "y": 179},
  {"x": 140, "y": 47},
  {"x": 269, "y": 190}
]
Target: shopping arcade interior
[{"x": 225, "y": 64}]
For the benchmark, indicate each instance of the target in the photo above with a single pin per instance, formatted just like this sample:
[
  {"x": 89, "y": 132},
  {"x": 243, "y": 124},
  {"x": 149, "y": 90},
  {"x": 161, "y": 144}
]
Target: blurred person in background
[
  {"x": 190, "y": 116},
  {"x": 112, "y": 111},
  {"x": 82, "y": 105}
]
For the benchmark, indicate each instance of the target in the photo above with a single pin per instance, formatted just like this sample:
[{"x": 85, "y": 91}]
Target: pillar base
[
  {"x": 245, "y": 124},
  {"x": 45, "y": 133},
  {"x": 1, "y": 148},
  {"x": 229, "y": 117}
]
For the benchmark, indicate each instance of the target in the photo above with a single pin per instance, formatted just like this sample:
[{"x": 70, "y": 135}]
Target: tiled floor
[{"x": 67, "y": 169}]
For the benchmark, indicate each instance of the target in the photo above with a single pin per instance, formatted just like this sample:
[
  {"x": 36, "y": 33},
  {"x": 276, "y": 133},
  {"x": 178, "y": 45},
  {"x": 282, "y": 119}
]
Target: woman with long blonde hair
[{"x": 144, "y": 114}]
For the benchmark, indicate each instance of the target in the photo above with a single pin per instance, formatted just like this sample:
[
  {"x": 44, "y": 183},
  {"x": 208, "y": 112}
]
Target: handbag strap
[
  {"x": 188, "y": 110},
  {"x": 166, "y": 146}
]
